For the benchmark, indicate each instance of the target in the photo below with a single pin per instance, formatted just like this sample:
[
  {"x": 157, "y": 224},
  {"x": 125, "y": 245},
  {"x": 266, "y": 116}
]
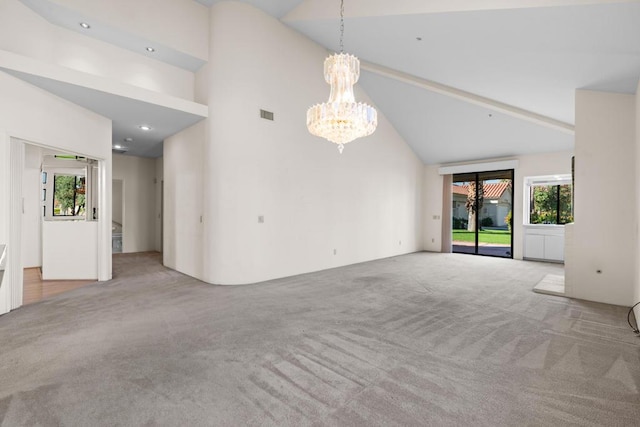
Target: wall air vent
[{"x": 267, "y": 115}]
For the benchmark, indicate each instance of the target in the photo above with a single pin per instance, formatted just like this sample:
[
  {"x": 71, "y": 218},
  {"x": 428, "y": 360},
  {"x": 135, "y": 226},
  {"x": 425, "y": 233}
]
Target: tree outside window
[
  {"x": 551, "y": 204},
  {"x": 69, "y": 195}
]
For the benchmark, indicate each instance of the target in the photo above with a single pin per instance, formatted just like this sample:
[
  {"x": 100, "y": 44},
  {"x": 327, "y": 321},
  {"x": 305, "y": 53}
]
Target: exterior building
[{"x": 496, "y": 206}]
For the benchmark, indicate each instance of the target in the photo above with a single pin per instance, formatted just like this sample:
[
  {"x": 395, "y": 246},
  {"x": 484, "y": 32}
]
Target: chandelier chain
[{"x": 341, "y": 26}]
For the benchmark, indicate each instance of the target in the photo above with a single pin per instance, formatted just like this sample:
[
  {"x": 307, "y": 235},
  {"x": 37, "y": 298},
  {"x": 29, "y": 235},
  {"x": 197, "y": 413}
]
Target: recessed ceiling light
[
  {"x": 85, "y": 25},
  {"x": 145, "y": 127},
  {"x": 490, "y": 115},
  {"x": 150, "y": 49},
  {"x": 128, "y": 140}
]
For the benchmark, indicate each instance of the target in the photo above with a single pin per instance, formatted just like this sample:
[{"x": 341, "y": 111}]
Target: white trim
[
  {"x": 317, "y": 10},
  {"x": 560, "y": 179},
  {"x": 5, "y": 304},
  {"x": 479, "y": 167},
  {"x": 14, "y": 265},
  {"x": 104, "y": 220}
]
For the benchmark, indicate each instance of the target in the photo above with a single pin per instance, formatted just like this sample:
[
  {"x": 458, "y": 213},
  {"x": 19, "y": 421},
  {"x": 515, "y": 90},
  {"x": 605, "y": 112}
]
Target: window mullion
[{"x": 558, "y": 204}]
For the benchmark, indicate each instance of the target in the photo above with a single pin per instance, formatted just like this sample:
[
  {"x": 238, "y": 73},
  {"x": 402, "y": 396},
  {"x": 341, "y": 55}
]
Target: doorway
[
  {"x": 482, "y": 213},
  {"x": 117, "y": 215},
  {"x": 57, "y": 196}
]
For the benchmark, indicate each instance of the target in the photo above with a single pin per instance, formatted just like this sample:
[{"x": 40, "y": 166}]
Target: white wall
[
  {"x": 432, "y": 201},
  {"x": 158, "y": 205},
  {"x": 138, "y": 186},
  {"x": 24, "y": 32},
  {"x": 32, "y": 208},
  {"x": 117, "y": 199},
  {"x": 604, "y": 230},
  {"x": 365, "y": 203},
  {"x": 183, "y": 200}
]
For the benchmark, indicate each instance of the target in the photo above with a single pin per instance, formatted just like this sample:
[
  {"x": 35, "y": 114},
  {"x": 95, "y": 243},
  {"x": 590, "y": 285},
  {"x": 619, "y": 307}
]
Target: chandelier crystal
[{"x": 342, "y": 119}]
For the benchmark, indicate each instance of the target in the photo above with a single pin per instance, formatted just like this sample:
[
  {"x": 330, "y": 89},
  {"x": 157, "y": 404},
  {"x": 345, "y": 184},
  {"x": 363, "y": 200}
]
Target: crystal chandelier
[{"x": 342, "y": 119}]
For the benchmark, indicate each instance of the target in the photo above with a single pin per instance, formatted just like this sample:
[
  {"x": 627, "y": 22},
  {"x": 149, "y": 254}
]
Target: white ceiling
[
  {"x": 442, "y": 129},
  {"x": 69, "y": 19},
  {"x": 532, "y": 58},
  {"x": 530, "y": 54}
]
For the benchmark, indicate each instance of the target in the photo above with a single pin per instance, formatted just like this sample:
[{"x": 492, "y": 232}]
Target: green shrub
[
  {"x": 486, "y": 222},
  {"x": 459, "y": 223}
]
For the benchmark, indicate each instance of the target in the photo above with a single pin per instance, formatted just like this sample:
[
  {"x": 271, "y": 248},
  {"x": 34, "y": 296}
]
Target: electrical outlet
[
  {"x": 335, "y": 251},
  {"x": 261, "y": 219},
  {"x": 433, "y": 240},
  {"x": 436, "y": 217},
  {"x": 400, "y": 242}
]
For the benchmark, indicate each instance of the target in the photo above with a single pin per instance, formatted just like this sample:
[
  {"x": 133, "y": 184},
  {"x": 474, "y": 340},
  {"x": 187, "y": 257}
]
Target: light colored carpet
[
  {"x": 421, "y": 339},
  {"x": 551, "y": 284}
]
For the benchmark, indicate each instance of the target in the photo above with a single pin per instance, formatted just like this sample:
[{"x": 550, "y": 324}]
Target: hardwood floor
[{"x": 35, "y": 289}]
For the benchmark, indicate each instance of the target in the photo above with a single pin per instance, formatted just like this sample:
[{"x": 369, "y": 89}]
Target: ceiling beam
[
  {"x": 318, "y": 9},
  {"x": 468, "y": 97}
]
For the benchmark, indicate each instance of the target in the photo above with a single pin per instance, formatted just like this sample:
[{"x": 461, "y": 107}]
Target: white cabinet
[
  {"x": 69, "y": 250},
  {"x": 554, "y": 248},
  {"x": 534, "y": 246},
  {"x": 544, "y": 242}
]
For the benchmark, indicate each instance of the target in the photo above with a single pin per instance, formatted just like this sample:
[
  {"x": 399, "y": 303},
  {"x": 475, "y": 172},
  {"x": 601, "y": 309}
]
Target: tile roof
[
  {"x": 491, "y": 191},
  {"x": 460, "y": 189}
]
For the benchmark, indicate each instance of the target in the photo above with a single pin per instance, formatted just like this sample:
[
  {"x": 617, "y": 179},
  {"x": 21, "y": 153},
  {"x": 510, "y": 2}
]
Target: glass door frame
[{"x": 476, "y": 179}]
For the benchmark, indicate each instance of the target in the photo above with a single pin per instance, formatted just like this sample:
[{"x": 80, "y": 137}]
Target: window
[
  {"x": 550, "y": 204},
  {"x": 69, "y": 195}
]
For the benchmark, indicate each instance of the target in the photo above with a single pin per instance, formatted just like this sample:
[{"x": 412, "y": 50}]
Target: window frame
[
  {"x": 76, "y": 177},
  {"x": 48, "y": 206},
  {"x": 556, "y": 181}
]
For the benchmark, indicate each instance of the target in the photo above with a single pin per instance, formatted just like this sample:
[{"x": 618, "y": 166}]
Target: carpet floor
[{"x": 420, "y": 339}]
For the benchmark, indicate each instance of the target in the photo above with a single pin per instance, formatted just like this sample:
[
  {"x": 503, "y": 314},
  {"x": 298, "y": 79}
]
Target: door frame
[
  {"x": 13, "y": 279},
  {"x": 477, "y": 215}
]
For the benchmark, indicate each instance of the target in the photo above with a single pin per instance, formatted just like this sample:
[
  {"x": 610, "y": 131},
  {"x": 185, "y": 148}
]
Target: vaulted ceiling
[
  {"x": 517, "y": 65},
  {"x": 459, "y": 80}
]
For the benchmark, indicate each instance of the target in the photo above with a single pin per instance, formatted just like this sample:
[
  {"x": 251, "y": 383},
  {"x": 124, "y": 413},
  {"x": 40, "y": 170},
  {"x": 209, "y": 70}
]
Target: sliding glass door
[{"x": 482, "y": 213}]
